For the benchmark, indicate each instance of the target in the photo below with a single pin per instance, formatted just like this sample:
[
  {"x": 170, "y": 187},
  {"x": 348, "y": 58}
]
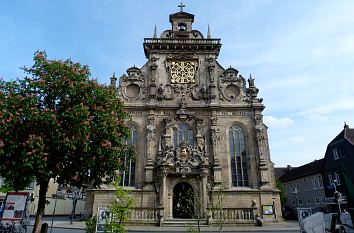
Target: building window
[
  {"x": 335, "y": 154},
  {"x": 183, "y": 133},
  {"x": 291, "y": 187},
  {"x": 308, "y": 201},
  {"x": 314, "y": 182},
  {"x": 305, "y": 184},
  {"x": 128, "y": 174},
  {"x": 323, "y": 199},
  {"x": 299, "y": 201},
  {"x": 330, "y": 179},
  {"x": 238, "y": 156},
  {"x": 317, "y": 200},
  {"x": 336, "y": 176},
  {"x": 293, "y": 202},
  {"x": 320, "y": 181},
  {"x": 182, "y": 27}
]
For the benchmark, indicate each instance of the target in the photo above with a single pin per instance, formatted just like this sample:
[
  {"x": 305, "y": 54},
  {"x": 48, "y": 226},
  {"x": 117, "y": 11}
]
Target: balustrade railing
[
  {"x": 181, "y": 41},
  {"x": 144, "y": 214},
  {"x": 217, "y": 214},
  {"x": 233, "y": 214}
]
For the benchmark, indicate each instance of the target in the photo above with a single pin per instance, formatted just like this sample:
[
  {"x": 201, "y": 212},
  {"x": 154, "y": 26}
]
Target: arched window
[
  {"x": 128, "y": 174},
  {"x": 183, "y": 133},
  {"x": 238, "y": 157},
  {"x": 182, "y": 27}
]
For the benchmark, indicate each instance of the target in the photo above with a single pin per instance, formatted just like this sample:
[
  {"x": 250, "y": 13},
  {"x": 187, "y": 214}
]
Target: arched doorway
[{"x": 183, "y": 200}]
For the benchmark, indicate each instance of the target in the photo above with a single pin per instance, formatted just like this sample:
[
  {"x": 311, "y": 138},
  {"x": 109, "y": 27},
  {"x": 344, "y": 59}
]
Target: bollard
[{"x": 44, "y": 228}]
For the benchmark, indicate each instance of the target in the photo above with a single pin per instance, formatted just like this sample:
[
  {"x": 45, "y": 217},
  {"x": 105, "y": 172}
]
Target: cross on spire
[{"x": 181, "y": 5}]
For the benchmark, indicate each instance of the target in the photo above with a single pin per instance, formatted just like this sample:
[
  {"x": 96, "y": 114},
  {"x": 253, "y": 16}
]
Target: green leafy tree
[
  {"x": 5, "y": 188},
  {"x": 90, "y": 225},
  {"x": 120, "y": 208},
  {"x": 282, "y": 193},
  {"x": 58, "y": 123},
  {"x": 218, "y": 207}
]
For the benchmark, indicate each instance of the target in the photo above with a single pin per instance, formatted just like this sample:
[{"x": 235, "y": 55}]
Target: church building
[{"x": 201, "y": 145}]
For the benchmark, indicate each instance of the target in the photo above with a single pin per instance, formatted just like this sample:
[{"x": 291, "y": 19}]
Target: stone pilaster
[{"x": 215, "y": 138}]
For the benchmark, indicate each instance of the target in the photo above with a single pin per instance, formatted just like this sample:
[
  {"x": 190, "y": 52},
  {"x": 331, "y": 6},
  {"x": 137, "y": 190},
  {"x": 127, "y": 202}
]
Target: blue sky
[{"x": 301, "y": 53}]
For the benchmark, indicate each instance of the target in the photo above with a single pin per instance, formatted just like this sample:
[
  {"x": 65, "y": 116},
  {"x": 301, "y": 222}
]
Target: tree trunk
[{"x": 43, "y": 187}]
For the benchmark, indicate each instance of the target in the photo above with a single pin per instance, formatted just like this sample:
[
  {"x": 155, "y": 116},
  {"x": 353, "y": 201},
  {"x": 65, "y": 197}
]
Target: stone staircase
[{"x": 180, "y": 222}]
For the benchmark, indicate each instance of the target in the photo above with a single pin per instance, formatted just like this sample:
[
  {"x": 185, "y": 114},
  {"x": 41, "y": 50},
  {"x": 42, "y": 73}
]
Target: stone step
[{"x": 184, "y": 222}]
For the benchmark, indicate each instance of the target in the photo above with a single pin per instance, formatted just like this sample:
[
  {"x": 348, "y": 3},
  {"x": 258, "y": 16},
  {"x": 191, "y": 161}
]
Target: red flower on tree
[{"x": 54, "y": 122}]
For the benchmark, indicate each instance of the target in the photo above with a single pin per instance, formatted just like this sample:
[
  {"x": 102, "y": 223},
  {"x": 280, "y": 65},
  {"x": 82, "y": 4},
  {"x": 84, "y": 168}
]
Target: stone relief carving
[
  {"x": 231, "y": 86},
  {"x": 153, "y": 68},
  {"x": 211, "y": 66},
  {"x": 252, "y": 91},
  {"x": 165, "y": 92},
  {"x": 215, "y": 138},
  {"x": 262, "y": 147},
  {"x": 199, "y": 92},
  {"x": 131, "y": 87},
  {"x": 153, "y": 64},
  {"x": 150, "y": 137},
  {"x": 182, "y": 158},
  {"x": 172, "y": 91}
]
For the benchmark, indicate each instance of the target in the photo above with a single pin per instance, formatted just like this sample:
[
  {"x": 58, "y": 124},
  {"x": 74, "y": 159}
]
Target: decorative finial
[
  {"x": 209, "y": 34},
  {"x": 345, "y": 125},
  {"x": 113, "y": 80},
  {"x": 251, "y": 81},
  {"x": 181, "y": 5},
  {"x": 155, "y": 34}
]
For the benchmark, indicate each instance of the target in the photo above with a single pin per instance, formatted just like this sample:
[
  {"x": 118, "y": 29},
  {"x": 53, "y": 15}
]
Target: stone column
[
  {"x": 163, "y": 190},
  {"x": 170, "y": 205},
  {"x": 204, "y": 191}
]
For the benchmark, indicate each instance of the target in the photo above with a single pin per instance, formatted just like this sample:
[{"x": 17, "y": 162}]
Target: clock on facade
[{"x": 182, "y": 72}]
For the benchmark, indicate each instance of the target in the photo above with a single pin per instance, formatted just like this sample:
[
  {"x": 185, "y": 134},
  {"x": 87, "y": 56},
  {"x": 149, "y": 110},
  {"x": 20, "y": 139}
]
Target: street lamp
[
  {"x": 75, "y": 194},
  {"x": 57, "y": 194}
]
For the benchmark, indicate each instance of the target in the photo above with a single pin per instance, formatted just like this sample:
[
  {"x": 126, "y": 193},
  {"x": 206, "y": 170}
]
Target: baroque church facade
[{"x": 201, "y": 144}]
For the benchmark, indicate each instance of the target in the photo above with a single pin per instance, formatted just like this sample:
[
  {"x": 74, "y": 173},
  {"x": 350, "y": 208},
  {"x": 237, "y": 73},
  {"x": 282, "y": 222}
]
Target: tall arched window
[
  {"x": 183, "y": 133},
  {"x": 128, "y": 174},
  {"x": 238, "y": 156}
]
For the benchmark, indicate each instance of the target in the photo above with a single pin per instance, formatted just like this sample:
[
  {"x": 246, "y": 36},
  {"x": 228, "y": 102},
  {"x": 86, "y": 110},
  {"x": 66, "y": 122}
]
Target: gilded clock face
[{"x": 182, "y": 72}]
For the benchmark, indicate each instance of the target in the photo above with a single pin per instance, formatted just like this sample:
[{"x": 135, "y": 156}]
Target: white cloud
[
  {"x": 322, "y": 112},
  {"x": 280, "y": 123}
]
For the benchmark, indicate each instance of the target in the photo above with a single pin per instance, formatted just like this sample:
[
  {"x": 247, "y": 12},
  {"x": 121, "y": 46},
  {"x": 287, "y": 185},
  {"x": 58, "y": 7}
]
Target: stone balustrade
[
  {"x": 229, "y": 215},
  {"x": 233, "y": 215},
  {"x": 181, "y": 41},
  {"x": 144, "y": 213}
]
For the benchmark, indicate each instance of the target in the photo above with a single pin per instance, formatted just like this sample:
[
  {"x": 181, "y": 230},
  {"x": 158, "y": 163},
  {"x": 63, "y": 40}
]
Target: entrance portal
[{"x": 183, "y": 200}]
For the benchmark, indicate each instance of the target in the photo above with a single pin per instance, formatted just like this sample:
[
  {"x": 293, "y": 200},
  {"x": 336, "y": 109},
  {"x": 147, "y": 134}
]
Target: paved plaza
[{"x": 284, "y": 226}]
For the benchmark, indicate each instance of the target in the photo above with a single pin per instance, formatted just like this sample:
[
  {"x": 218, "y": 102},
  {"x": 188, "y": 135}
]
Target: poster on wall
[
  {"x": 103, "y": 220},
  {"x": 303, "y": 213},
  {"x": 14, "y": 206},
  {"x": 267, "y": 209}
]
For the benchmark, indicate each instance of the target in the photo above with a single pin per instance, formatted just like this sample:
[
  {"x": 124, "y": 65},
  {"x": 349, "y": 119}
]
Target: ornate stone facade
[{"x": 198, "y": 126}]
